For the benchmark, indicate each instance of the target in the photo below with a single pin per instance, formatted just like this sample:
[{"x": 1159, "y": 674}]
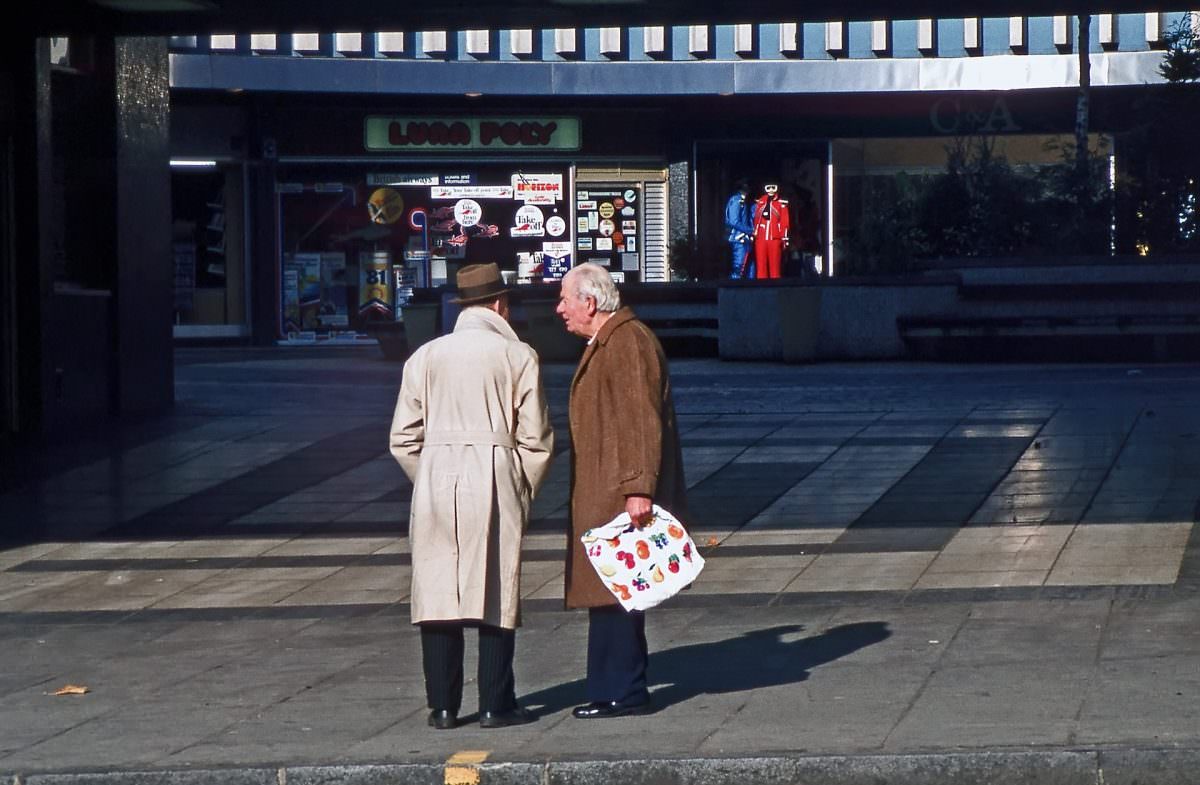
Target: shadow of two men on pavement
[{"x": 752, "y": 660}]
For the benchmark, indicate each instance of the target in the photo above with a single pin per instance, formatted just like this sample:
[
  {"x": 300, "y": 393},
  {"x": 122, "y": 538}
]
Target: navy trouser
[
  {"x": 442, "y": 656},
  {"x": 738, "y": 252},
  {"x": 617, "y": 655}
]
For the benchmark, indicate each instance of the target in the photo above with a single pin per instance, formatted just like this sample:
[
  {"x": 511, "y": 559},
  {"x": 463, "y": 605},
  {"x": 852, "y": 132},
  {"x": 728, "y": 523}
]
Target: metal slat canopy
[{"x": 188, "y": 17}]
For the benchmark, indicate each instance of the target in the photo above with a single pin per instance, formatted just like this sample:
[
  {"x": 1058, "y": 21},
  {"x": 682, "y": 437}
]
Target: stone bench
[{"x": 1088, "y": 338}]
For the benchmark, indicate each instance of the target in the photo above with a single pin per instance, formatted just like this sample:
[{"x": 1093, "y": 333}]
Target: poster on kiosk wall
[
  {"x": 375, "y": 287},
  {"x": 608, "y": 227}
]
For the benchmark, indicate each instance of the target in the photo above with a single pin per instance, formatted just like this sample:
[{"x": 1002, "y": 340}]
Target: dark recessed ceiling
[{"x": 183, "y": 17}]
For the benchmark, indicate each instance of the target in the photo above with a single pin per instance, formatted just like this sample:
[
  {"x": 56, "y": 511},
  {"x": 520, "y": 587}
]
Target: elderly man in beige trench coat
[
  {"x": 625, "y": 456},
  {"x": 472, "y": 432}
]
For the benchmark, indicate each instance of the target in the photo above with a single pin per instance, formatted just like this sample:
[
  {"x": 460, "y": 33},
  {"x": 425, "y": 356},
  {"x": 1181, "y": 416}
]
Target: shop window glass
[
  {"x": 207, "y": 240},
  {"x": 354, "y": 244}
]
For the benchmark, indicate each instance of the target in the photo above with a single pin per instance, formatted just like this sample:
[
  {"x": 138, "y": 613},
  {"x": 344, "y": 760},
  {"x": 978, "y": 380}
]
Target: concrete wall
[
  {"x": 859, "y": 322},
  {"x": 839, "y": 322},
  {"x": 856, "y": 320}
]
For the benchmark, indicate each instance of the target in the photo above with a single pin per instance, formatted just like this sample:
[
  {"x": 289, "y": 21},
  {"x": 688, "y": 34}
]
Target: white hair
[{"x": 592, "y": 280}]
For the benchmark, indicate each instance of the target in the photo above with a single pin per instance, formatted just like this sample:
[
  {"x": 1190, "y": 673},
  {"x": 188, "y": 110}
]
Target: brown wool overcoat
[{"x": 624, "y": 441}]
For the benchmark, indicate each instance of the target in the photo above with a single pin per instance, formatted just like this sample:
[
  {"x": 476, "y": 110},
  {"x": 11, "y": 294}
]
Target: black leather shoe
[
  {"x": 443, "y": 719},
  {"x": 503, "y": 719},
  {"x": 599, "y": 709}
]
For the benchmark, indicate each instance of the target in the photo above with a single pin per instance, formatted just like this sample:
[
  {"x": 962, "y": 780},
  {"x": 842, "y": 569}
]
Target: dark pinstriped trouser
[{"x": 442, "y": 656}]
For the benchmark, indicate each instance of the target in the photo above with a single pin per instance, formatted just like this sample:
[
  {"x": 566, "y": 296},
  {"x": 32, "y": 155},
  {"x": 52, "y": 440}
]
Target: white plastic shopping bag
[{"x": 643, "y": 567}]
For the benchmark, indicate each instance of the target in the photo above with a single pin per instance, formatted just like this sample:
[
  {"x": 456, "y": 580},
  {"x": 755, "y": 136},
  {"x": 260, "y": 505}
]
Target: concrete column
[
  {"x": 25, "y": 230},
  {"x": 142, "y": 184}
]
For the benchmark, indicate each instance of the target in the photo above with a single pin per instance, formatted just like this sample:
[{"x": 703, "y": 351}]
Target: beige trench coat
[
  {"x": 624, "y": 441},
  {"x": 472, "y": 432}
]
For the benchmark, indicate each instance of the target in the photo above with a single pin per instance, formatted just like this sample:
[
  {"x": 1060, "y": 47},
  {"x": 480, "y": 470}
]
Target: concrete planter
[
  {"x": 422, "y": 322},
  {"x": 542, "y": 329},
  {"x": 769, "y": 322}
]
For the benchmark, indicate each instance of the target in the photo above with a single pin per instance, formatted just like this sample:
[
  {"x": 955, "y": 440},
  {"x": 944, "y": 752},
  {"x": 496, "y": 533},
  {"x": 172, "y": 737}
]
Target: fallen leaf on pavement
[
  {"x": 711, "y": 542},
  {"x": 71, "y": 689}
]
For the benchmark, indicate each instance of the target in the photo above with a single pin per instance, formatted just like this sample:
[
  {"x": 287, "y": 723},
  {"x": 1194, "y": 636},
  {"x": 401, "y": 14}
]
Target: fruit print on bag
[{"x": 642, "y": 566}]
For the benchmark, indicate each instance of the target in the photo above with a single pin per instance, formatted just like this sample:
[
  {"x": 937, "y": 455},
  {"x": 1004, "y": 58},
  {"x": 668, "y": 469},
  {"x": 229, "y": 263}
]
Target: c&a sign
[{"x": 440, "y": 134}]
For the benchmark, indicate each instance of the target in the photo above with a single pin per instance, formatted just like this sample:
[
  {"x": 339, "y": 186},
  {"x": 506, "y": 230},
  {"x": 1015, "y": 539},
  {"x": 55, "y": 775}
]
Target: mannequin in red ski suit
[{"x": 772, "y": 221}]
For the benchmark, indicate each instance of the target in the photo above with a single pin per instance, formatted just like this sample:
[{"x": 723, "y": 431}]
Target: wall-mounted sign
[{"x": 475, "y": 133}]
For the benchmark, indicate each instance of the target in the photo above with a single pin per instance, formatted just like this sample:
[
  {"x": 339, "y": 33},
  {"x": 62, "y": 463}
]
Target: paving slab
[{"x": 917, "y": 574}]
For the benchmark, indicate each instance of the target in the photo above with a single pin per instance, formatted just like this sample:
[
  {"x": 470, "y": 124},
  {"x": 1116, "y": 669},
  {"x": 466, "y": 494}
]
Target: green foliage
[
  {"x": 888, "y": 238},
  {"x": 1160, "y": 201},
  {"x": 981, "y": 206},
  {"x": 1181, "y": 61},
  {"x": 686, "y": 263}
]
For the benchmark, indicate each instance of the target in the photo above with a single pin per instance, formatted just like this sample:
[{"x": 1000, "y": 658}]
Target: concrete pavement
[{"x": 917, "y": 574}]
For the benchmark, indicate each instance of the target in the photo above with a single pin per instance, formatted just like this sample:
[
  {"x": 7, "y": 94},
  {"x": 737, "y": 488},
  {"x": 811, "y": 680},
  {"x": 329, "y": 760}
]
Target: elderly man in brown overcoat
[
  {"x": 625, "y": 457},
  {"x": 472, "y": 432}
]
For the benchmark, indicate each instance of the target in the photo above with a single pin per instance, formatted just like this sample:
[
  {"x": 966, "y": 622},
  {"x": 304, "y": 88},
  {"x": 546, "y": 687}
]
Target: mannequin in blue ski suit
[{"x": 739, "y": 220}]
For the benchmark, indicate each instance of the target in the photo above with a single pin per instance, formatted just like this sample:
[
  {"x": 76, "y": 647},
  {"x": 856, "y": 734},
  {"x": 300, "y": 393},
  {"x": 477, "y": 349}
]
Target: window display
[{"x": 353, "y": 247}]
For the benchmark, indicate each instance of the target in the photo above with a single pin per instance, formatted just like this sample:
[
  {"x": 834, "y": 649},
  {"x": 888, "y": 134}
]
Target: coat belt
[{"x": 493, "y": 438}]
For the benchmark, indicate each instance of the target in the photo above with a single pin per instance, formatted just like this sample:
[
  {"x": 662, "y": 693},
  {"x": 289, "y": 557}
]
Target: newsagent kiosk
[{"x": 358, "y": 230}]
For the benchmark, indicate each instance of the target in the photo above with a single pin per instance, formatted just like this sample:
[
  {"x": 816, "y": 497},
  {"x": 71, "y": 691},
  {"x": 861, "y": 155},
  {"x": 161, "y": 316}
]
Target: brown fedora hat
[{"x": 478, "y": 283}]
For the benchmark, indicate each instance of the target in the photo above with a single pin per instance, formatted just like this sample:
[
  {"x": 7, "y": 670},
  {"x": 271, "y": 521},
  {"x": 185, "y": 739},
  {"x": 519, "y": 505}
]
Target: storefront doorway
[
  {"x": 208, "y": 243},
  {"x": 796, "y": 167}
]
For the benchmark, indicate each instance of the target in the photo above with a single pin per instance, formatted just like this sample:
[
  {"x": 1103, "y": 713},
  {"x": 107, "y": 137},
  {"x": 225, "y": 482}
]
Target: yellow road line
[{"x": 462, "y": 768}]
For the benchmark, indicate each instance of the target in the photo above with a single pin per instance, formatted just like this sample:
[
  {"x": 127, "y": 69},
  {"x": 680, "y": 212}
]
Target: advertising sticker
[
  {"x": 555, "y": 226},
  {"x": 537, "y": 188},
  {"x": 467, "y": 212},
  {"x": 529, "y": 222},
  {"x": 387, "y": 178},
  {"x": 556, "y": 259},
  {"x": 385, "y": 205},
  {"x": 606, "y": 209},
  {"x": 471, "y": 192}
]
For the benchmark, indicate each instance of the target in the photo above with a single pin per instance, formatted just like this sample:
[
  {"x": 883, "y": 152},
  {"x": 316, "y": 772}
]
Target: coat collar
[
  {"x": 620, "y": 317},
  {"x": 475, "y": 318}
]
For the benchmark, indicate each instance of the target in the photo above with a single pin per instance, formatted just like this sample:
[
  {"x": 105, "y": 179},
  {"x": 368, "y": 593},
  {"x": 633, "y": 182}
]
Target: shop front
[{"x": 358, "y": 235}]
